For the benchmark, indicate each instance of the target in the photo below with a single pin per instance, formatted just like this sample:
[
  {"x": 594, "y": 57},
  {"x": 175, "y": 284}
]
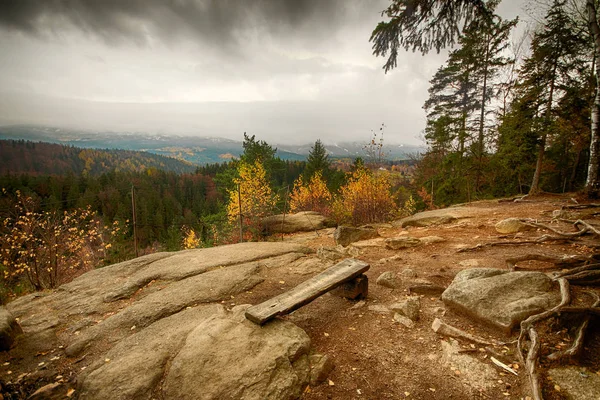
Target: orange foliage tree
[
  {"x": 257, "y": 197},
  {"x": 49, "y": 248},
  {"x": 313, "y": 196},
  {"x": 365, "y": 198}
]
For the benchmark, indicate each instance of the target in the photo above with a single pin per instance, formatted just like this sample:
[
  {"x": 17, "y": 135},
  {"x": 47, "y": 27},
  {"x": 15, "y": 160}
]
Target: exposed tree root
[
  {"x": 580, "y": 206},
  {"x": 573, "y": 271},
  {"x": 577, "y": 345},
  {"x": 559, "y": 261},
  {"x": 541, "y": 239},
  {"x": 527, "y": 329},
  {"x": 560, "y": 236}
]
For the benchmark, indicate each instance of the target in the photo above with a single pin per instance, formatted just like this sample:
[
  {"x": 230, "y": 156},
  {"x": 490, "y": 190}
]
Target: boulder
[
  {"x": 401, "y": 242},
  {"x": 232, "y": 357},
  {"x": 304, "y": 221},
  {"x": 512, "y": 225},
  {"x": 345, "y": 235},
  {"x": 409, "y": 307},
  {"x": 9, "y": 329},
  {"x": 387, "y": 279},
  {"x": 501, "y": 298},
  {"x": 157, "y": 325},
  {"x": 427, "y": 218},
  {"x": 576, "y": 383}
]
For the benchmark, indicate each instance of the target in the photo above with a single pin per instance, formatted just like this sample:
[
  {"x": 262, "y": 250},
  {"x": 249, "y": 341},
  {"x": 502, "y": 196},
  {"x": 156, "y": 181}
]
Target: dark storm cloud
[{"x": 219, "y": 22}]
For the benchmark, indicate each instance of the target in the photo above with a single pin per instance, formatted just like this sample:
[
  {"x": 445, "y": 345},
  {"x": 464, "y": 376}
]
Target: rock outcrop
[
  {"x": 304, "y": 221},
  {"x": 501, "y": 298},
  {"x": 158, "y": 325}
]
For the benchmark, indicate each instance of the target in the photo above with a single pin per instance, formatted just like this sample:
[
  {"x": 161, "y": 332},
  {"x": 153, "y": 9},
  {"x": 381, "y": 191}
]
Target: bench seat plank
[{"x": 307, "y": 291}]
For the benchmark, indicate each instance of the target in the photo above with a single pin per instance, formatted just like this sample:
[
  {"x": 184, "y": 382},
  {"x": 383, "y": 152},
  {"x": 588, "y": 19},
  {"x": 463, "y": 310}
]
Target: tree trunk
[
  {"x": 535, "y": 184},
  {"x": 480, "y": 141},
  {"x": 592, "y": 184}
]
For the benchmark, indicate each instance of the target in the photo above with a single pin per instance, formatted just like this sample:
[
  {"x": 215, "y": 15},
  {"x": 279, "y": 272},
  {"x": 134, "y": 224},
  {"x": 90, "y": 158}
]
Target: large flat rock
[
  {"x": 157, "y": 327},
  {"x": 204, "y": 353},
  {"x": 501, "y": 298},
  {"x": 443, "y": 216}
]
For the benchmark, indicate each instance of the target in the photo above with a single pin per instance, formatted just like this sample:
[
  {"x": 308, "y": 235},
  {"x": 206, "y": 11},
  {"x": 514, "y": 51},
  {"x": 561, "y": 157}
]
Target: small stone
[
  {"x": 320, "y": 367},
  {"x": 401, "y": 319},
  {"x": 401, "y": 242},
  {"x": 408, "y": 273},
  {"x": 358, "y": 305},
  {"x": 379, "y": 308},
  {"x": 410, "y": 307},
  {"x": 432, "y": 239},
  {"x": 512, "y": 225},
  {"x": 387, "y": 279}
]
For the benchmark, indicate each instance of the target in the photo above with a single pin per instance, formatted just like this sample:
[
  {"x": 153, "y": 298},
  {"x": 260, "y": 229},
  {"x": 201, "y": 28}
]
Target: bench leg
[{"x": 357, "y": 288}]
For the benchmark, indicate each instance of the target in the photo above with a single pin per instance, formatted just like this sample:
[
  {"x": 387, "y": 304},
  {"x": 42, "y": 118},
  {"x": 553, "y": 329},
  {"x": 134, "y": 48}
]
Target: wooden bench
[{"x": 348, "y": 273}]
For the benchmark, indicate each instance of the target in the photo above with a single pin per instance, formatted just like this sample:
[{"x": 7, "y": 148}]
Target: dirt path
[{"x": 377, "y": 358}]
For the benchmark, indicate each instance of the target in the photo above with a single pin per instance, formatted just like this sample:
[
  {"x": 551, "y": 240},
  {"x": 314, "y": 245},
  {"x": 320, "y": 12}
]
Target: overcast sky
[{"x": 288, "y": 71}]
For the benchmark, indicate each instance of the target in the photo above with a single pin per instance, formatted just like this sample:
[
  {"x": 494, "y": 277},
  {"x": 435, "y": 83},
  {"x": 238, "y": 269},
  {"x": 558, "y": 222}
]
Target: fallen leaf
[
  {"x": 557, "y": 388},
  {"x": 282, "y": 282},
  {"x": 407, "y": 394},
  {"x": 358, "y": 391},
  {"x": 326, "y": 334},
  {"x": 330, "y": 382},
  {"x": 70, "y": 392},
  {"x": 432, "y": 389}
]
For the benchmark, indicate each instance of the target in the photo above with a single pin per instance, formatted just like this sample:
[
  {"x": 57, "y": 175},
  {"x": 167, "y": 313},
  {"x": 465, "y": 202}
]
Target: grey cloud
[{"x": 219, "y": 22}]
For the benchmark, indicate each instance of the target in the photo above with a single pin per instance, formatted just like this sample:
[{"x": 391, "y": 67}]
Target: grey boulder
[
  {"x": 345, "y": 235},
  {"x": 501, "y": 298}
]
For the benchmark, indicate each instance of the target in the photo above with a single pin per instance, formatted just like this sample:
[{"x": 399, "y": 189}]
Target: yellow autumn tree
[
  {"x": 190, "y": 239},
  {"x": 365, "y": 198},
  {"x": 257, "y": 198},
  {"x": 49, "y": 248},
  {"x": 313, "y": 196}
]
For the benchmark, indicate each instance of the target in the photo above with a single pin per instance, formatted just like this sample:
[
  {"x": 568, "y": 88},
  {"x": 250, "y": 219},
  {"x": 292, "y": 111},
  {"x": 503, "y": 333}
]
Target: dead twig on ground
[{"x": 441, "y": 328}]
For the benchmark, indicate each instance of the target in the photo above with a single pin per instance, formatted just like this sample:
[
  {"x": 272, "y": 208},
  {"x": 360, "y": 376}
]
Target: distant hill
[
  {"x": 20, "y": 156},
  {"x": 194, "y": 149}
]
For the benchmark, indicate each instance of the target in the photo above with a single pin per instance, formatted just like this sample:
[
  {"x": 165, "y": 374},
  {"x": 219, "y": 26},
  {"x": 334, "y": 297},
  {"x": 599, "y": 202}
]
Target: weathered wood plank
[{"x": 307, "y": 291}]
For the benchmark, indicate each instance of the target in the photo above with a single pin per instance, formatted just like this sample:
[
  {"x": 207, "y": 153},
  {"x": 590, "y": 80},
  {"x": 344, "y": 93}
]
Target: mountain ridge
[{"x": 194, "y": 149}]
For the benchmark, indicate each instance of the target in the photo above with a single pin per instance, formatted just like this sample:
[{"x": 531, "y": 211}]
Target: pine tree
[
  {"x": 459, "y": 103},
  {"x": 545, "y": 75},
  {"x": 317, "y": 160}
]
